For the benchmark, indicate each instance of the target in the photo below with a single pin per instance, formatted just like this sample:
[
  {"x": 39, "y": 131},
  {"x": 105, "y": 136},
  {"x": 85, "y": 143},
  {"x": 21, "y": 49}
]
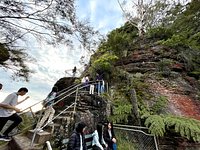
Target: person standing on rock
[
  {"x": 74, "y": 72},
  {"x": 49, "y": 110},
  {"x": 8, "y": 111},
  {"x": 1, "y": 85},
  {"x": 77, "y": 139}
]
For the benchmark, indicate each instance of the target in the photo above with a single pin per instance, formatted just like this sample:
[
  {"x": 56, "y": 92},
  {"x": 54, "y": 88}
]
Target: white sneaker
[
  {"x": 38, "y": 130},
  {"x": 50, "y": 123}
]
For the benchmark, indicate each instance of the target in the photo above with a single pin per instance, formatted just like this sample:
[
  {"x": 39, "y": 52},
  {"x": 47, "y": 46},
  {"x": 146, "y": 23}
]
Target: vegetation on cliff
[{"x": 167, "y": 55}]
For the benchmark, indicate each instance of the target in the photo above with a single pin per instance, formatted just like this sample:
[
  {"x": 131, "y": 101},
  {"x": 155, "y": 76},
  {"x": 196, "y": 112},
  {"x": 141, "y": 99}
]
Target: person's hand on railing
[{"x": 17, "y": 110}]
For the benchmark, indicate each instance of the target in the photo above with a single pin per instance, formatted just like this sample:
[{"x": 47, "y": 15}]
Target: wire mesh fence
[{"x": 134, "y": 138}]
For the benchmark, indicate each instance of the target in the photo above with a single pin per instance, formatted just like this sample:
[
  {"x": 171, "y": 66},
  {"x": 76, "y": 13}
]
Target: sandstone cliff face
[{"x": 166, "y": 75}]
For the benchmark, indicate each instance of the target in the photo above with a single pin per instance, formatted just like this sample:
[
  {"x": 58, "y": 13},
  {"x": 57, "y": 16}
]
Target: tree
[
  {"x": 53, "y": 21},
  {"x": 14, "y": 60},
  {"x": 145, "y": 14}
]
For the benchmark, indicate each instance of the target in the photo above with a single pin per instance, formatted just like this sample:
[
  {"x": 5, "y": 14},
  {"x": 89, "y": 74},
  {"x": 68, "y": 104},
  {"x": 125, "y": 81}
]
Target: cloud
[{"x": 52, "y": 62}]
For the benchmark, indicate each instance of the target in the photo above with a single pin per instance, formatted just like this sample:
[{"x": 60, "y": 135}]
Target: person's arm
[
  {"x": 96, "y": 140},
  {"x": 103, "y": 142},
  {"x": 106, "y": 137},
  {"x": 6, "y": 106},
  {"x": 23, "y": 100},
  {"x": 113, "y": 136}
]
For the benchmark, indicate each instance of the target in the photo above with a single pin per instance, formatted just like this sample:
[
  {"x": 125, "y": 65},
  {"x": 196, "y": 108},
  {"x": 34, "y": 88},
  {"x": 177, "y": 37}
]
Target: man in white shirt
[{"x": 8, "y": 111}]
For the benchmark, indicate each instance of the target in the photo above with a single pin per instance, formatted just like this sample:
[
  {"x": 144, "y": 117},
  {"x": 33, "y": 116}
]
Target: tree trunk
[{"x": 135, "y": 107}]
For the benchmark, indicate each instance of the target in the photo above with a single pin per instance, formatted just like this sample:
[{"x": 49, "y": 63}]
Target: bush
[{"x": 159, "y": 33}]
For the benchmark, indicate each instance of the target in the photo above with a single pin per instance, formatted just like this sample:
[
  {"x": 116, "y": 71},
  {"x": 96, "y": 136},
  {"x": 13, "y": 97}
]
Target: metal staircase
[{"x": 64, "y": 115}]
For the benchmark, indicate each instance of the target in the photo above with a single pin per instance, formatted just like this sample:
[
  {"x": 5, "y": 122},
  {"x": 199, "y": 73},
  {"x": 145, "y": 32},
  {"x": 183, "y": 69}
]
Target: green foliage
[
  {"x": 27, "y": 123},
  {"x": 163, "y": 67},
  {"x": 17, "y": 62},
  {"x": 121, "y": 112},
  {"x": 194, "y": 41},
  {"x": 161, "y": 103},
  {"x": 118, "y": 43},
  {"x": 4, "y": 54},
  {"x": 122, "y": 108},
  {"x": 188, "y": 21},
  {"x": 124, "y": 141},
  {"x": 104, "y": 62},
  {"x": 119, "y": 40},
  {"x": 175, "y": 41},
  {"x": 185, "y": 127},
  {"x": 160, "y": 33},
  {"x": 156, "y": 125},
  {"x": 186, "y": 34}
]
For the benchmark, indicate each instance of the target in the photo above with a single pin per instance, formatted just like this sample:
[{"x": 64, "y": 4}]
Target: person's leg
[
  {"x": 99, "y": 88},
  {"x": 102, "y": 88},
  {"x": 44, "y": 118},
  {"x": 90, "y": 92},
  {"x": 3, "y": 121},
  {"x": 16, "y": 121},
  {"x": 114, "y": 146},
  {"x": 92, "y": 89},
  {"x": 51, "y": 115}
]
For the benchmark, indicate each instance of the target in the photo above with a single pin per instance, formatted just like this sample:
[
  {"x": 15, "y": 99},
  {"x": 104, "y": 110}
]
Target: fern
[
  {"x": 156, "y": 125},
  {"x": 186, "y": 127}
]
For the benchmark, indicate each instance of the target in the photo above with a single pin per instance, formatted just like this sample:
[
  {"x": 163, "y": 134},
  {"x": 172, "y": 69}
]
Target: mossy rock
[{"x": 4, "y": 54}]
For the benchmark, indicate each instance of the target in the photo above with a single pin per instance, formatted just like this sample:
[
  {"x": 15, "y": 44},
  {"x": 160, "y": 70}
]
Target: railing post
[
  {"x": 48, "y": 145},
  {"x": 32, "y": 141},
  {"x": 32, "y": 112},
  {"x": 76, "y": 97},
  {"x": 156, "y": 144}
]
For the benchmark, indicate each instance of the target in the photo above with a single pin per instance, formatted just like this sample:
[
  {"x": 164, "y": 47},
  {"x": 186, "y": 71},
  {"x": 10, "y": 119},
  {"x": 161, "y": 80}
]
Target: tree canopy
[{"x": 53, "y": 21}]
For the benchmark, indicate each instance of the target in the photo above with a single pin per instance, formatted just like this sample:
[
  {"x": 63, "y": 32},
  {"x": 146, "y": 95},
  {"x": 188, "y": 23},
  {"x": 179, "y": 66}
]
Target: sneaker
[
  {"x": 5, "y": 138},
  {"x": 50, "y": 123},
  {"x": 38, "y": 130}
]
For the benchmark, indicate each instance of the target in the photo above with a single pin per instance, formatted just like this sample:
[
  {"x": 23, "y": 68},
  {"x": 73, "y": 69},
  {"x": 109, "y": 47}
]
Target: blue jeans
[{"x": 114, "y": 146}]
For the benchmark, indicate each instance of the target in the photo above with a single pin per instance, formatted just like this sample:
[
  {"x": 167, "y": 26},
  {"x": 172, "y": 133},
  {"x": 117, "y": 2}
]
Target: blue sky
[{"x": 104, "y": 15}]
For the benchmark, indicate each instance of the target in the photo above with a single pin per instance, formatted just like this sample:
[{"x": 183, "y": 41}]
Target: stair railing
[
  {"x": 73, "y": 104},
  {"x": 35, "y": 132},
  {"x": 48, "y": 145},
  {"x": 66, "y": 90},
  {"x": 69, "y": 92}
]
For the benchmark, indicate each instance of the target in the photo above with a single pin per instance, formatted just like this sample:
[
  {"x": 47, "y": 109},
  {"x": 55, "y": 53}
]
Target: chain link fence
[{"x": 134, "y": 138}]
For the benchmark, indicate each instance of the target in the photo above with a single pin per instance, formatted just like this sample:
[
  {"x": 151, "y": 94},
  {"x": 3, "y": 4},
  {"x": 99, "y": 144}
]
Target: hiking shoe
[
  {"x": 50, "y": 123},
  {"x": 5, "y": 138},
  {"x": 38, "y": 130}
]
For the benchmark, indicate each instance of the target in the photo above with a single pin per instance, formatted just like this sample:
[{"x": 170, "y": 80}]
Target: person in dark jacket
[
  {"x": 109, "y": 136},
  {"x": 77, "y": 139}
]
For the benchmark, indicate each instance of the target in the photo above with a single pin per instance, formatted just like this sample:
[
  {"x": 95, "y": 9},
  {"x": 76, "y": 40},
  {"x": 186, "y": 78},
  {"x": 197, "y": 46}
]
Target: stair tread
[{"x": 24, "y": 142}]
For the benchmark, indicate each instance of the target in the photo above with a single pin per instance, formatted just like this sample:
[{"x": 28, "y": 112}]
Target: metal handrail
[
  {"x": 48, "y": 145},
  {"x": 68, "y": 90}
]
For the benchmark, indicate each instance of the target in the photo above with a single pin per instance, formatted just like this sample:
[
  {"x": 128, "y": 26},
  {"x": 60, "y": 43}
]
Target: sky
[{"x": 52, "y": 62}]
